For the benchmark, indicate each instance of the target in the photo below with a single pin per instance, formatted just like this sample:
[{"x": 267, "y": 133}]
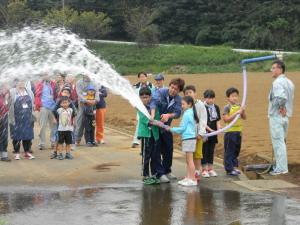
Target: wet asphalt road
[{"x": 133, "y": 203}]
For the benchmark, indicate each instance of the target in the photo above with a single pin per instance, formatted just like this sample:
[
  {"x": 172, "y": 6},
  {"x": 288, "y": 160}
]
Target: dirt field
[{"x": 256, "y": 130}]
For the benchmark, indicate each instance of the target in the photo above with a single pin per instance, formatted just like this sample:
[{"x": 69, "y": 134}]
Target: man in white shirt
[{"x": 281, "y": 99}]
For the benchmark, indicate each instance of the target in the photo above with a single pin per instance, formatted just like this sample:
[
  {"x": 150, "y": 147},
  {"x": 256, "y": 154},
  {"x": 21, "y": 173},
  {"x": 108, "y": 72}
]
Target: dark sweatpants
[
  {"x": 232, "y": 147},
  {"x": 151, "y": 157},
  {"x": 208, "y": 150},
  {"x": 17, "y": 145},
  {"x": 3, "y": 133},
  {"x": 89, "y": 128},
  {"x": 166, "y": 150}
]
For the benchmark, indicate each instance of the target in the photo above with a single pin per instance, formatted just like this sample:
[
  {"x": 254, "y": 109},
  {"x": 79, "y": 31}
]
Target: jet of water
[{"x": 29, "y": 53}]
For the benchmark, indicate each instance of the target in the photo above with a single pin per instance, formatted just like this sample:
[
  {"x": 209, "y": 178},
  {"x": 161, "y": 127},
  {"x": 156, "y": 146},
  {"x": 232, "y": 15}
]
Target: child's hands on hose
[
  {"x": 159, "y": 124},
  {"x": 167, "y": 128}
]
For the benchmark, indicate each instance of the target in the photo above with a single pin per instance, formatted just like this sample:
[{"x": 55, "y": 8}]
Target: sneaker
[
  {"x": 17, "y": 157},
  {"x": 182, "y": 181},
  {"x": 188, "y": 183},
  {"x": 233, "y": 173},
  {"x": 53, "y": 155},
  {"x": 171, "y": 176},
  {"x": 41, "y": 147},
  {"x": 164, "y": 179},
  {"x": 205, "y": 174},
  {"x": 157, "y": 181},
  {"x": 29, "y": 156},
  {"x": 149, "y": 181},
  {"x": 73, "y": 147},
  {"x": 212, "y": 173},
  {"x": 5, "y": 159},
  {"x": 89, "y": 144},
  {"x": 102, "y": 142},
  {"x": 275, "y": 173},
  {"x": 135, "y": 145},
  {"x": 60, "y": 157},
  {"x": 238, "y": 171},
  {"x": 68, "y": 156},
  {"x": 197, "y": 175}
]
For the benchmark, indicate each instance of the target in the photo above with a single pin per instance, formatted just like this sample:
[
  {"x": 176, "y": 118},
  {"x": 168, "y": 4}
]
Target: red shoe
[
  {"x": 29, "y": 156},
  {"x": 197, "y": 176}
]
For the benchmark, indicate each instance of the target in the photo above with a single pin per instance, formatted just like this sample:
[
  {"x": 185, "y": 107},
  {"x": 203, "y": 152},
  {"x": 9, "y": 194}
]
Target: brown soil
[{"x": 256, "y": 137}]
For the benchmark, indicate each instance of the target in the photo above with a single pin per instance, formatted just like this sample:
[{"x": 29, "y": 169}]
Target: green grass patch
[
  {"x": 175, "y": 59},
  {"x": 3, "y": 222}
]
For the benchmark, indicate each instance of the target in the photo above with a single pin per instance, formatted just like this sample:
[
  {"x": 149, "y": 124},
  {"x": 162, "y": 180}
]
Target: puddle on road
[{"x": 146, "y": 205}]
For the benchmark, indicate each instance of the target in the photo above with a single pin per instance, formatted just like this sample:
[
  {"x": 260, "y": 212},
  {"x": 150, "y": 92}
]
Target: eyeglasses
[{"x": 273, "y": 68}]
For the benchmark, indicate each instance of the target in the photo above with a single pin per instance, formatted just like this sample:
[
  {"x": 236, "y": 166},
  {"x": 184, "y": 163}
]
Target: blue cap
[
  {"x": 91, "y": 87},
  {"x": 159, "y": 76}
]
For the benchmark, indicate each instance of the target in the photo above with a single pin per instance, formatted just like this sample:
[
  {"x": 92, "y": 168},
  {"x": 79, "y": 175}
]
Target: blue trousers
[
  {"x": 279, "y": 129},
  {"x": 166, "y": 150},
  {"x": 151, "y": 157},
  {"x": 89, "y": 128},
  {"x": 232, "y": 147}
]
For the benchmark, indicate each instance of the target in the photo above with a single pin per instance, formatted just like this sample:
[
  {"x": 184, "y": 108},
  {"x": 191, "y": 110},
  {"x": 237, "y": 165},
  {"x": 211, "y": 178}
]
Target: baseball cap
[
  {"x": 159, "y": 76},
  {"x": 90, "y": 87}
]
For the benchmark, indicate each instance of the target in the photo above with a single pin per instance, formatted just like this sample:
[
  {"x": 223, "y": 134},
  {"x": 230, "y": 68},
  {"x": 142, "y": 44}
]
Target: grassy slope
[{"x": 130, "y": 59}]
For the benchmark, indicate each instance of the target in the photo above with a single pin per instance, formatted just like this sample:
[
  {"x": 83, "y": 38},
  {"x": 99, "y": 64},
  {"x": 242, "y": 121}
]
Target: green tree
[
  {"x": 139, "y": 26},
  {"x": 91, "y": 25},
  {"x": 87, "y": 24},
  {"x": 18, "y": 13},
  {"x": 59, "y": 17}
]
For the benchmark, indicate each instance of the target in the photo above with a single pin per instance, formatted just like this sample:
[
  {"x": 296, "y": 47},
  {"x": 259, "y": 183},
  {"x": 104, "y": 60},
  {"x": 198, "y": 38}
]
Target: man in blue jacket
[{"x": 168, "y": 102}]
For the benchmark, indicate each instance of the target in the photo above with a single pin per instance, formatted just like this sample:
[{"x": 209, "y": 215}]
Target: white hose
[{"x": 238, "y": 116}]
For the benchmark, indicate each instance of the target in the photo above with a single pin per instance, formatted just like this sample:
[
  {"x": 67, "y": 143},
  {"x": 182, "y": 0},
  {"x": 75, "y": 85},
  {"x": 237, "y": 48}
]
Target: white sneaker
[
  {"x": 205, "y": 174},
  {"x": 188, "y": 182},
  {"x": 102, "y": 142},
  {"x": 73, "y": 147},
  {"x": 171, "y": 176},
  {"x": 29, "y": 156},
  {"x": 212, "y": 173},
  {"x": 17, "y": 157},
  {"x": 275, "y": 173},
  {"x": 164, "y": 179},
  {"x": 182, "y": 181}
]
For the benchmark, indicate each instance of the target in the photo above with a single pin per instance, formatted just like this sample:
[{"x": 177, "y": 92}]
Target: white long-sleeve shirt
[
  {"x": 281, "y": 95},
  {"x": 202, "y": 115}
]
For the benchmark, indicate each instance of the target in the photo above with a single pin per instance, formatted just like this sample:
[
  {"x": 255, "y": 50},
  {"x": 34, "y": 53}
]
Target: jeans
[{"x": 278, "y": 130}]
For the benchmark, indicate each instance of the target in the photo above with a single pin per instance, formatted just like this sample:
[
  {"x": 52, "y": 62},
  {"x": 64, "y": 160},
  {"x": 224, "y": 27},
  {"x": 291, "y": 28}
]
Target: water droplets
[{"x": 29, "y": 53}]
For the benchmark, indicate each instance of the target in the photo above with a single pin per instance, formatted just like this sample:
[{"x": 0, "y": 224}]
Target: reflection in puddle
[{"x": 147, "y": 205}]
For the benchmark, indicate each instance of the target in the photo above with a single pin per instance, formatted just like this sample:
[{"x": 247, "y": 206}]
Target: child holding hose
[
  {"x": 149, "y": 136},
  {"x": 187, "y": 129}
]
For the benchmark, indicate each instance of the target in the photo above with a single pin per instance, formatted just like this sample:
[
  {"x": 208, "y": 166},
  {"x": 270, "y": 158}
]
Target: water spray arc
[
  {"x": 29, "y": 53},
  {"x": 243, "y": 64}
]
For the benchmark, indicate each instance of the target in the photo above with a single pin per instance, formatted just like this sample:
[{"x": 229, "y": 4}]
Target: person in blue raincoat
[{"x": 21, "y": 104}]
